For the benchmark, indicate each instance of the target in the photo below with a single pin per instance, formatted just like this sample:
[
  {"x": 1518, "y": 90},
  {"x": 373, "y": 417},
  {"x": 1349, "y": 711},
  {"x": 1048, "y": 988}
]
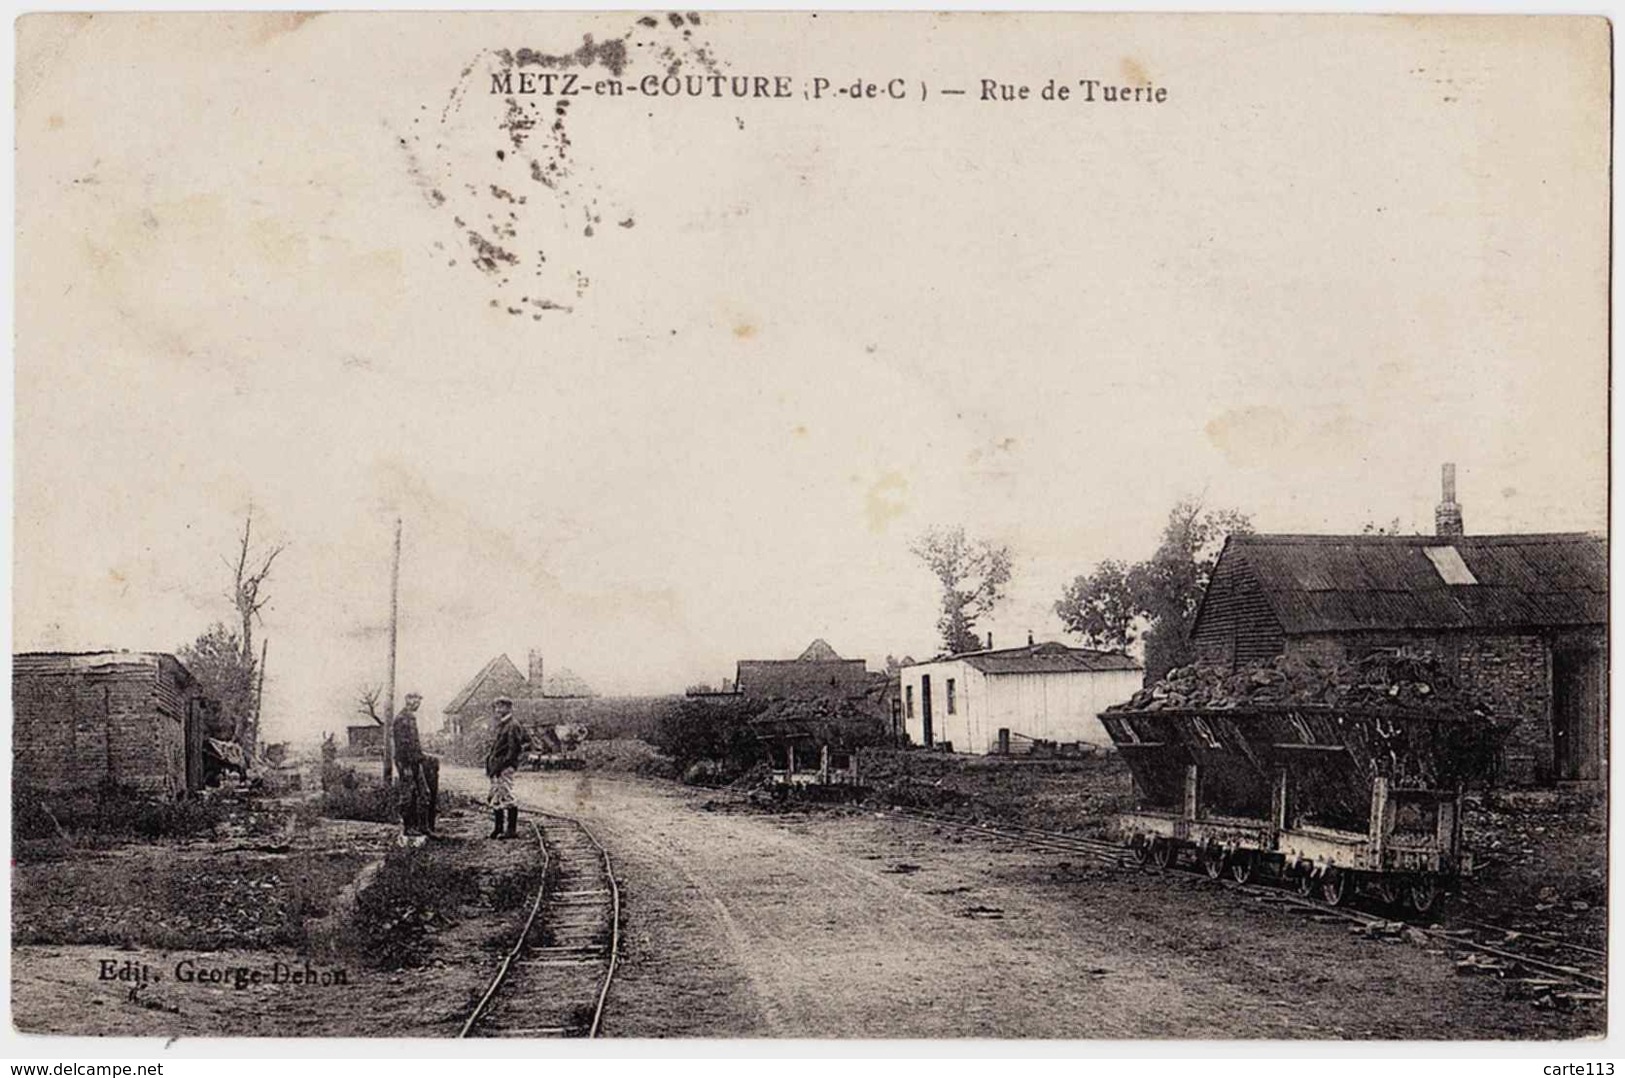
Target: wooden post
[
  {"x": 1378, "y": 830},
  {"x": 1278, "y": 806},
  {"x": 259, "y": 695},
  {"x": 1192, "y": 781},
  {"x": 1004, "y": 741},
  {"x": 389, "y": 683}
]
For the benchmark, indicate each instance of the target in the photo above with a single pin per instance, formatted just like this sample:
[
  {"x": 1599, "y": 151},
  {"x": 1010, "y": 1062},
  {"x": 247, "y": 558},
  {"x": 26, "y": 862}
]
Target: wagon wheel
[
  {"x": 1162, "y": 853},
  {"x": 1306, "y": 882},
  {"x": 1137, "y": 851},
  {"x": 1386, "y": 890},
  {"x": 1213, "y": 861},
  {"x": 1423, "y": 892},
  {"x": 1334, "y": 887},
  {"x": 1243, "y": 866}
]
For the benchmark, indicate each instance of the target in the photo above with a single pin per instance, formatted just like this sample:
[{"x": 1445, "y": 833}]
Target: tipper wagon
[{"x": 1340, "y": 778}]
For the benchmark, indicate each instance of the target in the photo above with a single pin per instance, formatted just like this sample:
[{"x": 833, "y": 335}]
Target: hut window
[
  {"x": 908, "y": 700},
  {"x": 1447, "y": 560},
  {"x": 952, "y": 696}
]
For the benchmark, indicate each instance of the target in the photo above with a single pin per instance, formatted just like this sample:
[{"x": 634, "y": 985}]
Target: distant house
[
  {"x": 1046, "y": 691},
  {"x": 135, "y": 719},
  {"x": 818, "y": 672},
  {"x": 366, "y": 739},
  {"x": 1520, "y": 621},
  {"x": 539, "y": 698},
  {"x": 470, "y": 709}
]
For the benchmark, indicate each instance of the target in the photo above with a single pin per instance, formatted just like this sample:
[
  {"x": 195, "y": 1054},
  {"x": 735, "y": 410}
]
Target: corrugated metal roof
[
  {"x": 1047, "y": 658},
  {"x": 1323, "y": 583},
  {"x": 64, "y": 662},
  {"x": 161, "y": 665}
]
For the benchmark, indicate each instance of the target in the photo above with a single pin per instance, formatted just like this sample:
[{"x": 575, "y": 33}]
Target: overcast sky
[{"x": 1341, "y": 253}]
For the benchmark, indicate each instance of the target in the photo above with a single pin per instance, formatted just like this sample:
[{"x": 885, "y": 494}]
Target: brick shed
[
  {"x": 1520, "y": 621},
  {"x": 133, "y": 719}
]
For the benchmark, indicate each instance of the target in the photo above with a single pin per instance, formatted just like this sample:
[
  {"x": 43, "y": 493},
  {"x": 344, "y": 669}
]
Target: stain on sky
[{"x": 518, "y": 198}]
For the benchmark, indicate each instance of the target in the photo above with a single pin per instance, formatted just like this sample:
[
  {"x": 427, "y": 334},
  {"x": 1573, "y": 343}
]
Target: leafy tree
[
  {"x": 1153, "y": 601},
  {"x": 973, "y": 574},
  {"x": 224, "y": 673}
]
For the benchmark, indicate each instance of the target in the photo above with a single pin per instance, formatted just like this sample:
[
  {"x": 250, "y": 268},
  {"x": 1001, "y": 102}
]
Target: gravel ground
[
  {"x": 60, "y": 985},
  {"x": 741, "y": 922},
  {"x": 848, "y": 923}
]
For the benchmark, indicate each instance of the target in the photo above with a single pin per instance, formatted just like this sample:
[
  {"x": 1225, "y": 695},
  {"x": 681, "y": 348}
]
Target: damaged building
[
  {"x": 1520, "y": 621},
  {"x": 82, "y": 721}
]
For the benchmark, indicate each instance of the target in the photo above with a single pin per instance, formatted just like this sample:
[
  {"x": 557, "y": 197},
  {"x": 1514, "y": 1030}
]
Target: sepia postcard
[{"x": 689, "y": 524}]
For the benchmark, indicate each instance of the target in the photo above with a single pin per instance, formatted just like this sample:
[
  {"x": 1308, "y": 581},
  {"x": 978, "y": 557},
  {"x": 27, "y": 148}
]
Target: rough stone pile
[{"x": 1411, "y": 682}]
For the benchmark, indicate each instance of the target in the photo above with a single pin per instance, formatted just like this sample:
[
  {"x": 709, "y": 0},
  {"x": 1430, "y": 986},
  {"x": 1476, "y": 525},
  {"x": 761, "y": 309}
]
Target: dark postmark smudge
[{"x": 504, "y": 168}]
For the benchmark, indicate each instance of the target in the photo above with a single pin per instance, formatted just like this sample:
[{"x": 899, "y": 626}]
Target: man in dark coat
[
  {"x": 418, "y": 792},
  {"x": 508, "y": 744}
]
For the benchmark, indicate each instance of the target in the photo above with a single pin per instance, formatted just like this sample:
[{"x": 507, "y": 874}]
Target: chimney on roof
[
  {"x": 1029, "y": 638},
  {"x": 1447, "y": 516},
  {"x": 536, "y": 671},
  {"x": 990, "y": 641}
]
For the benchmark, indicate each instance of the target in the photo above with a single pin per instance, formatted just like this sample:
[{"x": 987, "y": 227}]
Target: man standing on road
[
  {"x": 418, "y": 774},
  {"x": 508, "y": 744}
]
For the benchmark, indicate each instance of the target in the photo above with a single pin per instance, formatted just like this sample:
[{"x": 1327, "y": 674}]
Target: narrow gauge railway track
[
  {"x": 554, "y": 981},
  {"x": 1505, "y": 949},
  {"x": 1096, "y": 849}
]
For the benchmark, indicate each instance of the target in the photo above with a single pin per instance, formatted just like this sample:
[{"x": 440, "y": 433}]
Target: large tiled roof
[{"x": 501, "y": 666}]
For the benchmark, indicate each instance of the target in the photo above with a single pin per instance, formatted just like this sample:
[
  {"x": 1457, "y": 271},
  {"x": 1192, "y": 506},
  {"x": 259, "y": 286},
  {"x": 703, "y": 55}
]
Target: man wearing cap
[{"x": 508, "y": 745}]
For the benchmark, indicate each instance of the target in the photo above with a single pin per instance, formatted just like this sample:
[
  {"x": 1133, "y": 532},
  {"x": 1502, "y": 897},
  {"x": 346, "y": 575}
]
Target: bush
[
  {"x": 371, "y": 803},
  {"x": 112, "y": 810},
  {"x": 718, "y": 731},
  {"x": 338, "y": 777},
  {"x": 415, "y": 891},
  {"x": 628, "y": 755}
]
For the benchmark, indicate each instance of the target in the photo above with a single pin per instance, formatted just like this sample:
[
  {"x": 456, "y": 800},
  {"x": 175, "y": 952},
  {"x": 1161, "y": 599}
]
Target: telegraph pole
[{"x": 389, "y": 684}]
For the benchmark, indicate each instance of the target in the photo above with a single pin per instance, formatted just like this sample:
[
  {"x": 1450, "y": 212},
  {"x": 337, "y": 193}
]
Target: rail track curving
[{"x": 555, "y": 979}]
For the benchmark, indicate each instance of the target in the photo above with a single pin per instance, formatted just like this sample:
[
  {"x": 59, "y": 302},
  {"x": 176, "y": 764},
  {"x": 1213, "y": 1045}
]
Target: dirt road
[{"x": 849, "y": 924}]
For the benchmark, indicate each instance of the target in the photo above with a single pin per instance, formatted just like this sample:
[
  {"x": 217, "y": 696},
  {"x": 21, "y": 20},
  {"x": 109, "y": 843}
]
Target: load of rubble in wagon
[{"x": 1340, "y": 777}]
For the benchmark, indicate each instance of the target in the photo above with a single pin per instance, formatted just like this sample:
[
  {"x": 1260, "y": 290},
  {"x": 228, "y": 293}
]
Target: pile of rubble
[{"x": 1409, "y": 682}]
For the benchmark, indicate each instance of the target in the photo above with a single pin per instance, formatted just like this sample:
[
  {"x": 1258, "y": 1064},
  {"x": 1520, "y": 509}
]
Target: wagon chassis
[{"x": 1414, "y": 864}]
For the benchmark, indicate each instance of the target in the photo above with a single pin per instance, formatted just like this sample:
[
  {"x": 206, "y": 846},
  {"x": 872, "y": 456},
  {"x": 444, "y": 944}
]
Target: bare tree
[
  {"x": 248, "y": 581},
  {"x": 249, "y": 576},
  {"x": 367, "y": 704}
]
